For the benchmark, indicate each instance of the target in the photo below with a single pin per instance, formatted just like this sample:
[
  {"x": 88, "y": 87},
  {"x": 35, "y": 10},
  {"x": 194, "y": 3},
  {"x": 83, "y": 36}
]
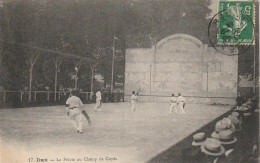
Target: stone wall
[{"x": 181, "y": 63}]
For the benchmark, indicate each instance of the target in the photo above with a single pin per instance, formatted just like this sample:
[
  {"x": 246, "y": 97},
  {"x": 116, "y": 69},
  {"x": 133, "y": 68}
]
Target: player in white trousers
[
  {"x": 133, "y": 101},
  {"x": 173, "y": 104},
  {"x": 98, "y": 100},
  {"x": 181, "y": 103},
  {"x": 73, "y": 106}
]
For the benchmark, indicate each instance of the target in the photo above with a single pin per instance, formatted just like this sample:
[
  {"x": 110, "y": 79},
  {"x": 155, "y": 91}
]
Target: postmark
[
  {"x": 236, "y": 22},
  {"x": 228, "y": 47}
]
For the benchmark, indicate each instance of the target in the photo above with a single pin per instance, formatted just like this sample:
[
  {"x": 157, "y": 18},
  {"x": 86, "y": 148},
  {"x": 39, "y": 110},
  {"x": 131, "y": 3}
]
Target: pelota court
[{"x": 116, "y": 134}]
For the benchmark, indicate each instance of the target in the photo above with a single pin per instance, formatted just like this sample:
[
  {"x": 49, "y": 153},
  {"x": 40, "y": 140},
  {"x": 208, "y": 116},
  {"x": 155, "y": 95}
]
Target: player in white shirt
[
  {"x": 133, "y": 101},
  {"x": 181, "y": 103},
  {"x": 98, "y": 100},
  {"x": 173, "y": 104},
  {"x": 73, "y": 106}
]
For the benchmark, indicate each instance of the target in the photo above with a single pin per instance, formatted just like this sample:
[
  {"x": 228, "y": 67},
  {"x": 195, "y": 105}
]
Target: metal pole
[
  {"x": 254, "y": 72},
  {"x": 30, "y": 83},
  {"x": 150, "y": 79},
  {"x": 154, "y": 64},
  {"x": 4, "y": 96},
  {"x": 92, "y": 81},
  {"x": 76, "y": 80},
  {"x": 207, "y": 79},
  {"x": 21, "y": 96},
  {"x": 55, "y": 84},
  {"x": 112, "y": 77},
  {"x": 48, "y": 96}
]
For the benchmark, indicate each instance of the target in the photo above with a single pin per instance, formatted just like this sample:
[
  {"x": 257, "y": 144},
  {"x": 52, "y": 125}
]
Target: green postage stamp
[{"x": 236, "y": 22}]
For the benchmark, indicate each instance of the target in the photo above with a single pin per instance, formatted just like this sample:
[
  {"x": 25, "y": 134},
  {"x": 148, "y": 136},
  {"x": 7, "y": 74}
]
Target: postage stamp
[{"x": 236, "y": 22}]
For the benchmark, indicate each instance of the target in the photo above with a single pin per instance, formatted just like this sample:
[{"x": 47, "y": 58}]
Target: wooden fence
[{"x": 23, "y": 95}]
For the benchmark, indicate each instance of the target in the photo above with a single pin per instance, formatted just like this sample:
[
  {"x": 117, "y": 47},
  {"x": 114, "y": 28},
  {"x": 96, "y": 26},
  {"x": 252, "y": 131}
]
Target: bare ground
[{"x": 116, "y": 134}]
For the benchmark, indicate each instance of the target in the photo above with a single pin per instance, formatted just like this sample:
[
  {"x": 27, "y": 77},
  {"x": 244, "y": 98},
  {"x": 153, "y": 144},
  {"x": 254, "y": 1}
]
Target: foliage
[{"x": 87, "y": 27}]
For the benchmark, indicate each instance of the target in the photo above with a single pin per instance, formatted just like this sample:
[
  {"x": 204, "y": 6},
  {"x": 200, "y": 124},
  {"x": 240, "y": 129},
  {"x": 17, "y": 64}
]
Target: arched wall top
[{"x": 179, "y": 36}]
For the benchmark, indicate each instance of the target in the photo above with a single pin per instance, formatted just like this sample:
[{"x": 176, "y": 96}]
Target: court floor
[{"x": 45, "y": 134}]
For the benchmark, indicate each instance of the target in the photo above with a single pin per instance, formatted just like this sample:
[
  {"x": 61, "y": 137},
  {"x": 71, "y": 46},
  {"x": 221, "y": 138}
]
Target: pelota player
[
  {"x": 98, "y": 100},
  {"x": 73, "y": 106},
  {"x": 173, "y": 104},
  {"x": 133, "y": 101},
  {"x": 181, "y": 103}
]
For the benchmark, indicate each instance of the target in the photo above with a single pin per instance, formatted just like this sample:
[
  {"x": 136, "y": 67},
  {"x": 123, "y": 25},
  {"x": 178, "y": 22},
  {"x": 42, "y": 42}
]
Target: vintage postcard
[{"x": 129, "y": 81}]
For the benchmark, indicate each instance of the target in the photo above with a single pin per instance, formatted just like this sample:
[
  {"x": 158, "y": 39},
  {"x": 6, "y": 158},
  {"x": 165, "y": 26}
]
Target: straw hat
[
  {"x": 228, "y": 123},
  {"x": 212, "y": 147},
  {"x": 235, "y": 114},
  {"x": 227, "y": 137},
  {"x": 215, "y": 135},
  {"x": 222, "y": 125},
  {"x": 231, "y": 117},
  {"x": 246, "y": 114},
  {"x": 218, "y": 127},
  {"x": 234, "y": 120},
  {"x": 199, "y": 139}
]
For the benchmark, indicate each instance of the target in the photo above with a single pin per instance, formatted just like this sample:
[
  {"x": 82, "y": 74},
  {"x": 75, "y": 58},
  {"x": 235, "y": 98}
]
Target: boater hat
[
  {"x": 235, "y": 114},
  {"x": 218, "y": 127},
  {"x": 212, "y": 147},
  {"x": 222, "y": 125},
  {"x": 199, "y": 139},
  {"x": 228, "y": 123},
  {"x": 215, "y": 135},
  {"x": 234, "y": 120},
  {"x": 227, "y": 137},
  {"x": 246, "y": 114}
]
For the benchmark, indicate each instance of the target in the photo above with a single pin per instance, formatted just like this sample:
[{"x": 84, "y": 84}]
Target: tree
[
  {"x": 77, "y": 65},
  {"x": 83, "y": 26},
  {"x": 32, "y": 57},
  {"x": 98, "y": 53},
  {"x": 57, "y": 62},
  {"x": 92, "y": 67}
]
